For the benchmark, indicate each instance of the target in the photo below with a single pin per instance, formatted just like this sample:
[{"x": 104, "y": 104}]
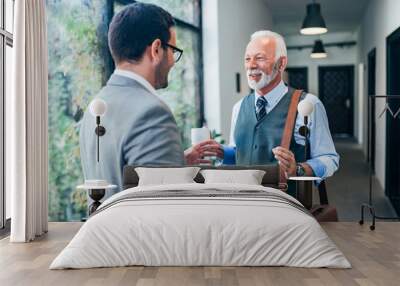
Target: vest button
[{"x": 255, "y": 146}]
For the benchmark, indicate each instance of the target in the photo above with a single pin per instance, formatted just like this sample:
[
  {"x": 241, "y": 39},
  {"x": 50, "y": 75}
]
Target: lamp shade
[
  {"x": 313, "y": 23},
  {"x": 98, "y": 107},
  {"x": 305, "y": 107},
  {"x": 318, "y": 51}
]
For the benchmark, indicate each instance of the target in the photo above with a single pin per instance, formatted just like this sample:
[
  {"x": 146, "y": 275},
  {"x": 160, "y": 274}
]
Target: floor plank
[
  {"x": 349, "y": 187},
  {"x": 375, "y": 257}
]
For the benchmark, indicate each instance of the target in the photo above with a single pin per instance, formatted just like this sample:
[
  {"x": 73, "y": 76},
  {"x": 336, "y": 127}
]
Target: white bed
[{"x": 224, "y": 225}]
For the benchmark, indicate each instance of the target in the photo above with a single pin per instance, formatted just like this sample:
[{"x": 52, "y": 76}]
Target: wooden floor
[
  {"x": 349, "y": 187},
  {"x": 375, "y": 257}
]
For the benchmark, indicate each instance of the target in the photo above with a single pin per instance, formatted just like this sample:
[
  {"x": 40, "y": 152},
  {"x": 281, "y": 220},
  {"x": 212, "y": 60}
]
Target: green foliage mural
[{"x": 78, "y": 68}]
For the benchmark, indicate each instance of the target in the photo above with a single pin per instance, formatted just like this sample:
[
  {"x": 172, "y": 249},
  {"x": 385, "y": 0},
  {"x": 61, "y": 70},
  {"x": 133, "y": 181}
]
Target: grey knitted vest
[{"x": 255, "y": 139}]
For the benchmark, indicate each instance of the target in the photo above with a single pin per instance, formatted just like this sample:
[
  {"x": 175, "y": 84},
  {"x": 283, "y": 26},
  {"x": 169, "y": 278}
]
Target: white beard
[{"x": 263, "y": 82}]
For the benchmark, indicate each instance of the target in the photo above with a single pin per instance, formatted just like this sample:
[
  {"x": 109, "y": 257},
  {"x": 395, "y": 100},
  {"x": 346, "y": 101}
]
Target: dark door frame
[
  {"x": 351, "y": 69},
  {"x": 371, "y": 108},
  {"x": 391, "y": 173},
  {"x": 303, "y": 69}
]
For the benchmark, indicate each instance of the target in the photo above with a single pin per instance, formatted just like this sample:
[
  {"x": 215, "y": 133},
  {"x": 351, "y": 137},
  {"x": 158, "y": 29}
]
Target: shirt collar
[
  {"x": 137, "y": 78},
  {"x": 274, "y": 96}
]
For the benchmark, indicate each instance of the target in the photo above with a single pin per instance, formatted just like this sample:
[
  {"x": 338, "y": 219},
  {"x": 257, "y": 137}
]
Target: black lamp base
[
  {"x": 96, "y": 195},
  {"x": 100, "y": 130},
  {"x": 303, "y": 131}
]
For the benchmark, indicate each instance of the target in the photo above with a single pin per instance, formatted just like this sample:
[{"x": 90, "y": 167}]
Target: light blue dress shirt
[{"x": 324, "y": 158}]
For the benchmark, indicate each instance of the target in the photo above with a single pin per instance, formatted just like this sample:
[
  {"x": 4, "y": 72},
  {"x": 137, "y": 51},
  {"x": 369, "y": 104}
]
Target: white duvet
[{"x": 207, "y": 230}]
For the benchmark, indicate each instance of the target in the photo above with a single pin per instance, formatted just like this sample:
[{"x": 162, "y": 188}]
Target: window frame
[
  {"x": 6, "y": 39},
  {"x": 180, "y": 23},
  {"x": 199, "y": 100}
]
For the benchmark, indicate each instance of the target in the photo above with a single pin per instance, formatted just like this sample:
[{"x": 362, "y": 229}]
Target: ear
[
  {"x": 282, "y": 63},
  {"x": 156, "y": 51}
]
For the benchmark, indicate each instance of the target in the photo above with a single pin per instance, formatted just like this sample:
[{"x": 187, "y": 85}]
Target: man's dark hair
[{"x": 136, "y": 27}]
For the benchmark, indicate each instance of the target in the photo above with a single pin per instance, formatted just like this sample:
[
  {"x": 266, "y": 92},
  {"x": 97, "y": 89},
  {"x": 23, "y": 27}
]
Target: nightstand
[
  {"x": 304, "y": 189},
  {"x": 96, "y": 190}
]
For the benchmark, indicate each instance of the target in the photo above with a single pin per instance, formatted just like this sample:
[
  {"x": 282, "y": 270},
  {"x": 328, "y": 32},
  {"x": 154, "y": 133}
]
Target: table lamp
[
  {"x": 97, "y": 188},
  {"x": 98, "y": 108},
  {"x": 305, "y": 108}
]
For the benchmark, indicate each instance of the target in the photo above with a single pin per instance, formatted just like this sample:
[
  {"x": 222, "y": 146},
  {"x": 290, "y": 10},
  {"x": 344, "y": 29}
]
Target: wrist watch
[{"x": 300, "y": 171}]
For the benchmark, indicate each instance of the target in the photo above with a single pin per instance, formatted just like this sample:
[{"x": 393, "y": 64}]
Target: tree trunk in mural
[{"x": 102, "y": 35}]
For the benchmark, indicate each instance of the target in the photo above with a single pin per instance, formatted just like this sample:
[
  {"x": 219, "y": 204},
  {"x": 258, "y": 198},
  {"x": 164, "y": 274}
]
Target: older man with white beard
[{"x": 259, "y": 118}]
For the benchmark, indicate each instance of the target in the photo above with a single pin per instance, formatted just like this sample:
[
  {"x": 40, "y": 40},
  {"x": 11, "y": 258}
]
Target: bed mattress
[{"x": 201, "y": 225}]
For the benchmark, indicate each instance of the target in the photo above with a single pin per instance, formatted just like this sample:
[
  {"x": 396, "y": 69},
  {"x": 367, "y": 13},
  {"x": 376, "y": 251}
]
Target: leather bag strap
[{"x": 289, "y": 126}]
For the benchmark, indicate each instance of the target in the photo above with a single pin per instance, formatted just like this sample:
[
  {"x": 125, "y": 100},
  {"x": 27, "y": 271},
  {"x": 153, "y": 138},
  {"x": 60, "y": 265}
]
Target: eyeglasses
[{"x": 176, "y": 51}]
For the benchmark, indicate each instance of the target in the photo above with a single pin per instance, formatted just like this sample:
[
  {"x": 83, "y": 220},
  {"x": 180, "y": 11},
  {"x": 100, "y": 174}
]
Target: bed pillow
[
  {"x": 166, "y": 176},
  {"x": 249, "y": 177}
]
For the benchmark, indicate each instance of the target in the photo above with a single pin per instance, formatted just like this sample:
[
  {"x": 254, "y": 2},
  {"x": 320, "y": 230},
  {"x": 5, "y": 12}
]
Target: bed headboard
[{"x": 270, "y": 179}]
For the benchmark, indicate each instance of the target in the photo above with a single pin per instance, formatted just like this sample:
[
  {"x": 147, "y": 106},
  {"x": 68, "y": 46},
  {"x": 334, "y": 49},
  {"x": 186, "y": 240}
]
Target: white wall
[
  {"x": 227, "y": 26},
  {"x": 336, "y": 56},
  {"x": 380, "y": 20}
]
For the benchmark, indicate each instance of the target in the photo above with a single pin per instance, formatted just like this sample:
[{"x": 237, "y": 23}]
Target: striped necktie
[{"x": 260, "y": 107}]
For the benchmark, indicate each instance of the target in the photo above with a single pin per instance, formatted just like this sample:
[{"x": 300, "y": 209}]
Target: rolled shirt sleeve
[{"x": 229, "y": 155}]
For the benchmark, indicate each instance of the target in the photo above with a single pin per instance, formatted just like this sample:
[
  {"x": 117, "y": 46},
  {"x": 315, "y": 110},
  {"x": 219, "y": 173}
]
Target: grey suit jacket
[{"x": 140, "y": 130}]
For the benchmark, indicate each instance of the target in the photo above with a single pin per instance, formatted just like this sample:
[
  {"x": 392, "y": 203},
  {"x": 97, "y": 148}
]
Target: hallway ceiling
[{"x": 339, "y": 15}]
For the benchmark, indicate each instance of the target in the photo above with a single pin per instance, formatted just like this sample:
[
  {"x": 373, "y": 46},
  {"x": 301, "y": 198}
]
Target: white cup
[
  {"x": 199, "y": 135},
  {"x": 202, "y": 134}
]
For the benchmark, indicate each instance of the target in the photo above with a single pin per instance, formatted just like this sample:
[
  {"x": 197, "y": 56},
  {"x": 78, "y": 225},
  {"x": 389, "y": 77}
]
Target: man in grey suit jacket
[{"x": 140, "y": 128}]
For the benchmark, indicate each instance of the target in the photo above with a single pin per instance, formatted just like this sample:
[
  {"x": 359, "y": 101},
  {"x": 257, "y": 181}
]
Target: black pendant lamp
[
  {"x": 313, "y": 23},
  {"x": 318, "y": 51}
]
